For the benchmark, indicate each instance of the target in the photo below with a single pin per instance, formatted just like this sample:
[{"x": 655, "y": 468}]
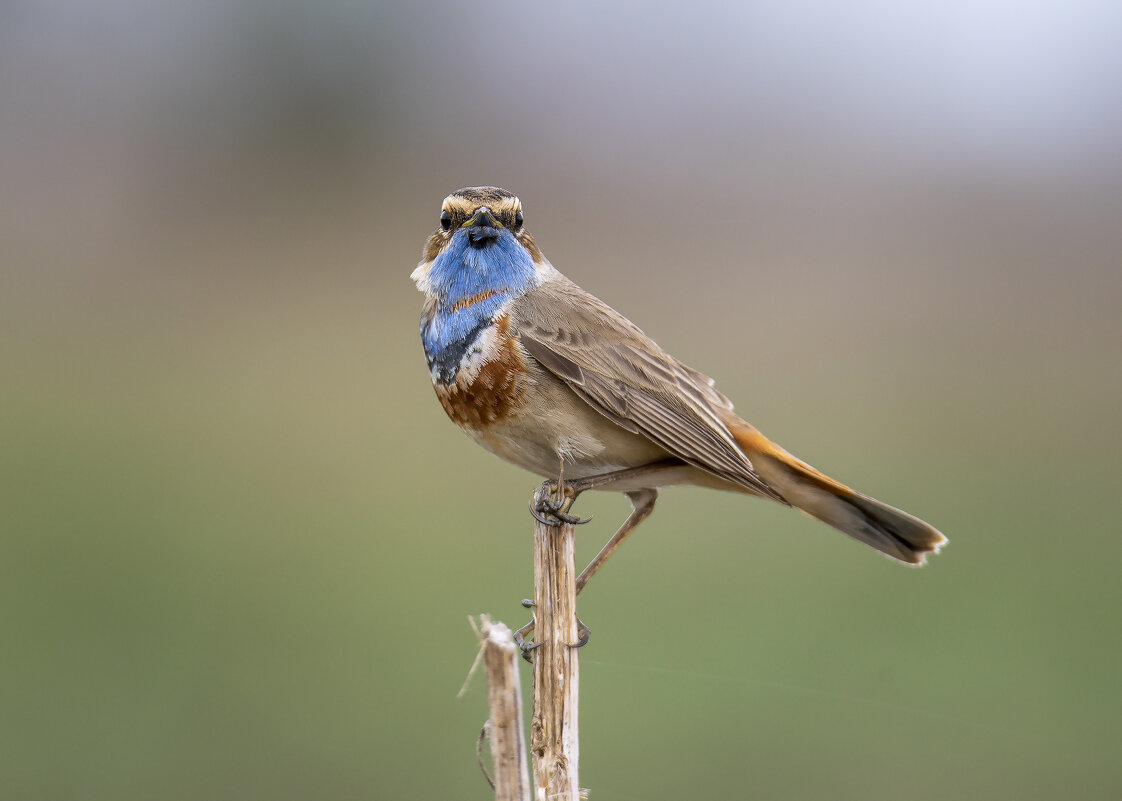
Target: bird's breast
[{"x": 490, "y": 381}]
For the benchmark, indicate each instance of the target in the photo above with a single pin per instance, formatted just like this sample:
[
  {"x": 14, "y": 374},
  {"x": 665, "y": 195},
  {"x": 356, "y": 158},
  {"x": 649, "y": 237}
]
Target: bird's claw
[
  {"x": 553, "y": 513},
  {"x": 584, "y": 634},
  {"x": 520, "y": 636}
]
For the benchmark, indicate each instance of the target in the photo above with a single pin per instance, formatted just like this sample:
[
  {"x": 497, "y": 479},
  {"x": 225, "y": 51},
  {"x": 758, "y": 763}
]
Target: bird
[{"x": 552, "y": 379}]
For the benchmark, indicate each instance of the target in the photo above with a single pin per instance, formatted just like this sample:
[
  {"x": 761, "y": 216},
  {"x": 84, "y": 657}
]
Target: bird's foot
[
  {"x": 584, "y": 634},
  {"x": 552, "y": 512},
  {"x": 527, "y": 648}
]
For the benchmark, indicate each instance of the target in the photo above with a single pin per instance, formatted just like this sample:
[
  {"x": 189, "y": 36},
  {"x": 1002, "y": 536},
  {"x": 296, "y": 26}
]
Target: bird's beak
[
  {"x": 482, "y": 227},
  {"x": 483, "y": 218}
]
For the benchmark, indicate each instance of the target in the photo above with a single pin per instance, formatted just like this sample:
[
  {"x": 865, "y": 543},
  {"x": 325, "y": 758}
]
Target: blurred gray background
[{"x": 240, "y": 540}]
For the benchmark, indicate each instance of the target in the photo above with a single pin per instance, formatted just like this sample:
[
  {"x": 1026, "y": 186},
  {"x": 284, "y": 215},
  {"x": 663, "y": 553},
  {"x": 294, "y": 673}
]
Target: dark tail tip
[{"x": 892, "y": 531}]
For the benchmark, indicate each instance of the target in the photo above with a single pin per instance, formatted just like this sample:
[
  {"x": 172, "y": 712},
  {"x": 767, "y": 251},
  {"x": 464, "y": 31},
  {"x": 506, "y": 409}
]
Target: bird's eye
[
  {"x": 518, "y": 220},
  {"x": 445, "y": 220}
]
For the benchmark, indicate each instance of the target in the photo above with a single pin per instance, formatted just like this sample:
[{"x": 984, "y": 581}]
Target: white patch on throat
[{"x": 420, "y": 276}]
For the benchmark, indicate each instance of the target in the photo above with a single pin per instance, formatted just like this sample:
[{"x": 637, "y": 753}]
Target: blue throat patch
[{"x": 496, "y": 273}]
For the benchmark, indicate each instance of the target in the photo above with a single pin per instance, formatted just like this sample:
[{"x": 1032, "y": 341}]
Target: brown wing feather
[{"x": 624, "y": 375}]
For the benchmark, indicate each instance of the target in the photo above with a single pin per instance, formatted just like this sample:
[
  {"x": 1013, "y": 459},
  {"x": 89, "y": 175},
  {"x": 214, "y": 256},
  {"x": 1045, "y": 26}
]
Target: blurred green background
[{"x": 240, "y": 540}]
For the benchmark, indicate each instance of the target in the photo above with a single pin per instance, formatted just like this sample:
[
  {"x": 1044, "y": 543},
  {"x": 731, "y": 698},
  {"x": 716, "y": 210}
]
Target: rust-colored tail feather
[{"x": 889, "y": 530}]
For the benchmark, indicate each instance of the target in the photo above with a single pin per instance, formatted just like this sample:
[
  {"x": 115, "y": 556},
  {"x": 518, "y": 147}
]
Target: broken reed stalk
[
  {"x": 504, "y": 726},
  {"x": 554, "y": 744}
]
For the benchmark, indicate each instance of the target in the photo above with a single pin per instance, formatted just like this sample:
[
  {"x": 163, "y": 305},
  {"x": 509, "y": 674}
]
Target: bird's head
[{"x": 480, "y": 245}]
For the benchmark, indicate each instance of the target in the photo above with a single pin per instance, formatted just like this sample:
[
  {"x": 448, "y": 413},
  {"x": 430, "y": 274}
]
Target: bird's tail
[{"x": 885, "y": 528}]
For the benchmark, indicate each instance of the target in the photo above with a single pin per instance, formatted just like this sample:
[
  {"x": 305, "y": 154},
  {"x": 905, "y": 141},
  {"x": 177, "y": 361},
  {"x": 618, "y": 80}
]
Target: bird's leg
[
  {"x": 554, "y": 513},
  {"x": 642, "y": 504},
  {"x": 632, "y": 475}
]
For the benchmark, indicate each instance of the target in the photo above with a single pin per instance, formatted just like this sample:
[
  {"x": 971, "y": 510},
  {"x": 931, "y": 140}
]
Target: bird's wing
[{"x": 624, "y": 375}]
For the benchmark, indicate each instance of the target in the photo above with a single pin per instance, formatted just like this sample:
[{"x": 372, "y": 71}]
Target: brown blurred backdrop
[{"x": 240, "y": 540}]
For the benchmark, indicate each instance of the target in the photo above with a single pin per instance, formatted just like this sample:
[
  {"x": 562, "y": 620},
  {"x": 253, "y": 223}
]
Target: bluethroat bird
[{"x": 546, "y": 376}]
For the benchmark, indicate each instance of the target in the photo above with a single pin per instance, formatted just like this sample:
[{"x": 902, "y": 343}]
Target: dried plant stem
[
  {"x": 504, "y": 726},
  {"x": 553, "y": 732}
]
